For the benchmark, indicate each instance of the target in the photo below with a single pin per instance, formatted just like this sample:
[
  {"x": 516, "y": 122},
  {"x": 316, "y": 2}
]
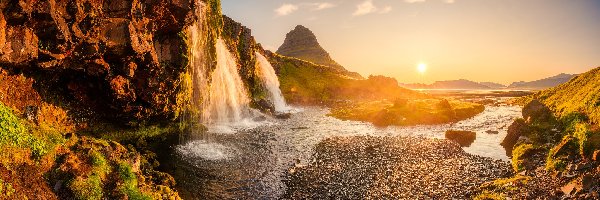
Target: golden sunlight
[{"x": 422, "y": 68}]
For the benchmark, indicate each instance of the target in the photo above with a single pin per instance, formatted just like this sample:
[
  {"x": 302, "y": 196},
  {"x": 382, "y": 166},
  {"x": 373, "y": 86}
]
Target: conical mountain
[{"x": 302, "y": 43}]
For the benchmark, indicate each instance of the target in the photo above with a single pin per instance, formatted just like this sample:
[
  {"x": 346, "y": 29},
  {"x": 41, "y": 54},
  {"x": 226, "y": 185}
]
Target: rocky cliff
[
  {"x": 116, "y": 59},
  {"x": 244, "y": 46},
  {"x": 302, "y": 43},
  {"x": 78, "y": 77}
]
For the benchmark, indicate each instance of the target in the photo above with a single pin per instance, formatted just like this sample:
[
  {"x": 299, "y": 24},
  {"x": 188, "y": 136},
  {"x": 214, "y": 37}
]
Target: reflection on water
[{"x": 252, "y": 162}]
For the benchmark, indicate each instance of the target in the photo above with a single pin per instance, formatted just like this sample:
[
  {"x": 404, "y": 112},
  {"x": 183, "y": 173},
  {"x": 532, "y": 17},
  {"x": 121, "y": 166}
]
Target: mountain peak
[{"x": 302, "y": 43}]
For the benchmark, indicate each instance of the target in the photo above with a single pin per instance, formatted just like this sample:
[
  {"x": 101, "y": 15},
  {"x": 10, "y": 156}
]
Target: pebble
[{"x": 364, "y": 167}]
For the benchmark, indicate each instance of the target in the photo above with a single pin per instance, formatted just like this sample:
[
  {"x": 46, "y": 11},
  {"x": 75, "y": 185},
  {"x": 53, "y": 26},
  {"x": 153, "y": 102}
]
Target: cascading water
[
  {"x": 227, "y": 99},
  {"x": 271, "y": 82}
]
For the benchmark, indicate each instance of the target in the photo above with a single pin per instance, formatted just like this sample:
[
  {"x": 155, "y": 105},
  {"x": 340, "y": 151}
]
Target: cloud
[
  {"x": 367, "y": 7},
  {"x": 322, "y": 6},
  {"x": 414, "y": 1},
  {"x": 385, "y": 10},
  {"x": 286, "y": 9},
  {"x": 364, "y": 8}
]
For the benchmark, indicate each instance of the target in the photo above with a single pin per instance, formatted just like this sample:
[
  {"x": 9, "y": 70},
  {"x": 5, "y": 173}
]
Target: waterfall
[
  {"x": 271, "y": 82},
  {"x": 227, "y": 99}
]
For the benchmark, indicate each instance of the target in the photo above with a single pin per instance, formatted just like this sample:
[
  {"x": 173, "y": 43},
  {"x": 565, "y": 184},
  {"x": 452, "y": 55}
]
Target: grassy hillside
[
  {"x": 303, "y": 82},
  {"x": 561, "y": 132},
  {"x": 580, "y": 95}
]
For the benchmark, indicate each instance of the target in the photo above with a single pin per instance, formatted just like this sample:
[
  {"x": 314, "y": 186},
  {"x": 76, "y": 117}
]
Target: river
[{"x": 251, "y": 163}]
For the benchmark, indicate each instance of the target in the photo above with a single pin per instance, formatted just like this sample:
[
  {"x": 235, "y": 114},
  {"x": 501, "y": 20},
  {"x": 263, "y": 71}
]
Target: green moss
[
  {"x": 99, "y": 163},
  {"x": 518, "y": 154},
  {"x": 19, "y": 133},
  {"x": 87, "y": 188},
  {"x": 6, "y": 190},
  {"x": 555, "y": 164},
  {"x": 509, "y": 184},
  {"x": 90, "y": 186},
  {"x": 487, "y": 195},
  {"x": 130, "y": 183},
  {"x": 139, "y": 133}
]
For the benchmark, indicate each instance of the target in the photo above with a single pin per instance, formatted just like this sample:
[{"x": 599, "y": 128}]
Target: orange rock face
[{"x": 101, "y": 52}]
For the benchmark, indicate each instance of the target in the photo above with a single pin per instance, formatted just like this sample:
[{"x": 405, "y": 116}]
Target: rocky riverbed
[{"x": 367, "y": 167}]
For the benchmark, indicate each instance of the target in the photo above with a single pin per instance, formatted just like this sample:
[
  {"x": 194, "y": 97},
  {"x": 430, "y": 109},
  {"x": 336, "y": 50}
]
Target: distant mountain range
[
  {"x": 472, "y": 85},
  {"x": 543, "y": 83},
  {"x": 456, "y": 84}
]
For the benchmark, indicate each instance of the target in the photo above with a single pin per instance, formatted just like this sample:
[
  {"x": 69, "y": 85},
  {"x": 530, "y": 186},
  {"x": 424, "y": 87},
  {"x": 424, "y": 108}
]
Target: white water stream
[{"x": 271, "y": 82}]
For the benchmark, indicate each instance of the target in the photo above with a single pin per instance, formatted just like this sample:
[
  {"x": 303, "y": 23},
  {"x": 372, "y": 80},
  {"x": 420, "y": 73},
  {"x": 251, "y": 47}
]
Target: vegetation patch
[
  {"x": 487, "y": 195},
  {"x": 129, "y": 186},
  {"x": 6, "y": 190},
  {"x": 404, "y": 112},
  {"x": 18, "y": 133},
  {"x": 519, "y": 155}
]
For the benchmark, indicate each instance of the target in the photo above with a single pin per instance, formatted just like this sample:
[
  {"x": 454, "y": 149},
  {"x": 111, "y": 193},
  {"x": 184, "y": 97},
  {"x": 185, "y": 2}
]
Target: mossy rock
[
  {"x": 522, "y": 156},
  {"x": 464, "y": 138}
]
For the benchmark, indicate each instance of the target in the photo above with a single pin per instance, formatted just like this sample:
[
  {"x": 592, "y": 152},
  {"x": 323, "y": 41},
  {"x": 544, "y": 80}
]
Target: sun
[{"x": 422, "y": 68}]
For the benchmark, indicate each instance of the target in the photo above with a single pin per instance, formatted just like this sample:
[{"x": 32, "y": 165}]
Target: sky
[{"x": 481, "y": 40}]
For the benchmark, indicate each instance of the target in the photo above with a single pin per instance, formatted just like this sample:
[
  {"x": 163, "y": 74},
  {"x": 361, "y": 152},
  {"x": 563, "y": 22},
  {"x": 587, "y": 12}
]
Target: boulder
[
  {"x": 464, "y": 138},
  {"x": 283, "y": 115},
  {"x": 515, "y": 130},
  {"x": 596, "y": 156},
  {"x": 537, "y": 111},
  {"x": 567, "y": 146}
]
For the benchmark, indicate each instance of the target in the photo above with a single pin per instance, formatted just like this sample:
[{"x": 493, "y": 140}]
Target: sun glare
[{"x": 422, "y": 68}]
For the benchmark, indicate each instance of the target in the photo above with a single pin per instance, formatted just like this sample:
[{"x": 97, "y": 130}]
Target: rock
[
  {"x": 265, "y": 105},
  {"x": 283, "y": 115},
  {"x": 260, "y": 119},
  {"x": 83, "y": 45},
  {"x": 565, "y": 147},
  {"x": 122, "y": 90},
  {"x": 587, "y": 182},
  {"x": 386, "y": 117},
  {"x": 515, "y": 130},
  {"x": 596, "y": 156},
  {"x": 464, "y": 138},
  {"x": 536, "y": 111},
  {"x": 491, "y": 132},
  {"x": 570, "y": 188},
  {"x": 18, "y": 44},
  {"x": 582, "y": 166}
]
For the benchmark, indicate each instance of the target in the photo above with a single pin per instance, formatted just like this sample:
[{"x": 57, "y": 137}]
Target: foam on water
[{"x": 205, "y": 150}]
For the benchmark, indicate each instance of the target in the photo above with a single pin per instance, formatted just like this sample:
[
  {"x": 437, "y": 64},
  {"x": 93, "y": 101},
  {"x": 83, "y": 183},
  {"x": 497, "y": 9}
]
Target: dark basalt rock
[
  {"x": 464, "y": 138},
  {"x": 515, "y": 130}
]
